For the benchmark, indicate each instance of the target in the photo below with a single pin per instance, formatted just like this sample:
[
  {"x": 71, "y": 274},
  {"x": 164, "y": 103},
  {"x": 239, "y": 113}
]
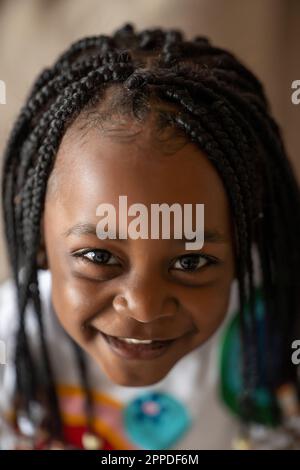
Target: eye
[
  {"x": 193, "y": 262},
  {"x": 97, "y": 257}
]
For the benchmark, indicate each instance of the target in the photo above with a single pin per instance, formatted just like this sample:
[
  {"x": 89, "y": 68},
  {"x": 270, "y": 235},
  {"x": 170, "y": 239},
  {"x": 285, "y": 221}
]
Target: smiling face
[{"x": 143, "y": 289}]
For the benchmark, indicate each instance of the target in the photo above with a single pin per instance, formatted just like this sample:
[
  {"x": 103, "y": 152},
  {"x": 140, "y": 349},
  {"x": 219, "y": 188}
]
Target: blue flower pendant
[{"x": 155, "y": 420}]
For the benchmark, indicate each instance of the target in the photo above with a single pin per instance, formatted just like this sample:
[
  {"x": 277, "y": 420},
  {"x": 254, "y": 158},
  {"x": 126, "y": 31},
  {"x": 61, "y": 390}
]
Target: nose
[{"x": 145, "y": 299}]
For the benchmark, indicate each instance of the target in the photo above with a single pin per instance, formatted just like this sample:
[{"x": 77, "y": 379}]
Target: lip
[{"x": 138, "y": 351}]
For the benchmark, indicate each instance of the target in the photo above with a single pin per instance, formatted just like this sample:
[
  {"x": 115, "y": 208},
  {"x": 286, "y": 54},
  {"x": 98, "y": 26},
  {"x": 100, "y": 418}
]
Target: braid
[
  {"x": 283, "y": 208},
  {"x": 55, "y": 424},
  {"x": 221, "y": 106}
]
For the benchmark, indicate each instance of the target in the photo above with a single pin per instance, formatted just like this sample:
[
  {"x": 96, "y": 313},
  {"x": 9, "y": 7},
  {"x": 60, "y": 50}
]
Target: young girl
[{"x": 114, "y": 343}]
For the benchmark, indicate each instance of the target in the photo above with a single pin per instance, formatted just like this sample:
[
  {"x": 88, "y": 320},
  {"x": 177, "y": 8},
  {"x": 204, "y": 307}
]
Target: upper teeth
[{"x": 136, "y": 341}]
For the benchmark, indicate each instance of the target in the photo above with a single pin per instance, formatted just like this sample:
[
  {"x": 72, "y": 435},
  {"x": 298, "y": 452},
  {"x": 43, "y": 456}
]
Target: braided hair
[{"x": 217, "y": 103}]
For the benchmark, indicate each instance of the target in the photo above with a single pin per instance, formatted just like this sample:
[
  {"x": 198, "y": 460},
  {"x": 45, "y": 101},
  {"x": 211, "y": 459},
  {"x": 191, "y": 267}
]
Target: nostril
[{"x": 120, "y": 303}]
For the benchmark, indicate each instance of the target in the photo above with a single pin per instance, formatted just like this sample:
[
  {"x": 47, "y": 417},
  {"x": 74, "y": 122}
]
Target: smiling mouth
[{"x": 132, "y": 348}]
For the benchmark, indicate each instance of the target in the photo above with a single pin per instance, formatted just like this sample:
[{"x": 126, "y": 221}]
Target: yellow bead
[
  {"x": 241, "y": 444},
  {"x": 91, "y": 441}
]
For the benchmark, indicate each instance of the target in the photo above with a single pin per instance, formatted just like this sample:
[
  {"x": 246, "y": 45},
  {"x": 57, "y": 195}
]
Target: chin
[
  {"x": 132, "y": 378},
  {"x": 134, "y": 381}
]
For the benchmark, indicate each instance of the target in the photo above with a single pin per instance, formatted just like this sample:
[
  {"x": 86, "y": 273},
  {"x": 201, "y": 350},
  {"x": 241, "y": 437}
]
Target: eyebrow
[{"x": 81, "y": 228}]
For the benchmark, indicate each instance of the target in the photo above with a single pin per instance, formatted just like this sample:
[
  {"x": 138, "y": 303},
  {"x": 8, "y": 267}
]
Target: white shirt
[{"x": 193, "y": 380}]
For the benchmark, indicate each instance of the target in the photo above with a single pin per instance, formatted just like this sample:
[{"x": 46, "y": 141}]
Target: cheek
[
  {"x": 210, "y": 305},
  {"x": 72, "y": 306}
]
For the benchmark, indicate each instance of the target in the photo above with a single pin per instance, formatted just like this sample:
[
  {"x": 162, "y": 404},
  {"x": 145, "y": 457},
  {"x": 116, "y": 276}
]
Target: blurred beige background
[{"x": 265, "y": 34}]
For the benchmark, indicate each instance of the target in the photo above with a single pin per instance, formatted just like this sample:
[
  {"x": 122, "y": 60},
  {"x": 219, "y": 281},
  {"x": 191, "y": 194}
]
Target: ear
[{"x": 42, "y": 261}]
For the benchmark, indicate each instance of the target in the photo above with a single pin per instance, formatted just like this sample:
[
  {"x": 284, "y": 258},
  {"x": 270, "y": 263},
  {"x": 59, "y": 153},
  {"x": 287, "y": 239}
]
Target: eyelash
[{"x": 210, "y": 260}]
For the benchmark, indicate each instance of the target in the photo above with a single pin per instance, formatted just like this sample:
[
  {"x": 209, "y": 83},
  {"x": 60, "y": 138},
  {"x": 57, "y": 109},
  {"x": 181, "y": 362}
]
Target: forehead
[{"x": 96, "y": 168}]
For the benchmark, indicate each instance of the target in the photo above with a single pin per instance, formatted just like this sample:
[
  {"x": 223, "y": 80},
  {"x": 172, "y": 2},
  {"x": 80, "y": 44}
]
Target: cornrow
[{"x": 218, "y": 104}]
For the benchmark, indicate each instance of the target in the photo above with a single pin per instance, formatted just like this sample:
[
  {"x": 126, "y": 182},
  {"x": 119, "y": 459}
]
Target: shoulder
[
  {"x": 9, "y": 322},
  {"x": 9, "y": 316},
  {"x": 8, "y": 309},
  {"x": 8, "y": 327},
  {"x": 9, "y": 304}
]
